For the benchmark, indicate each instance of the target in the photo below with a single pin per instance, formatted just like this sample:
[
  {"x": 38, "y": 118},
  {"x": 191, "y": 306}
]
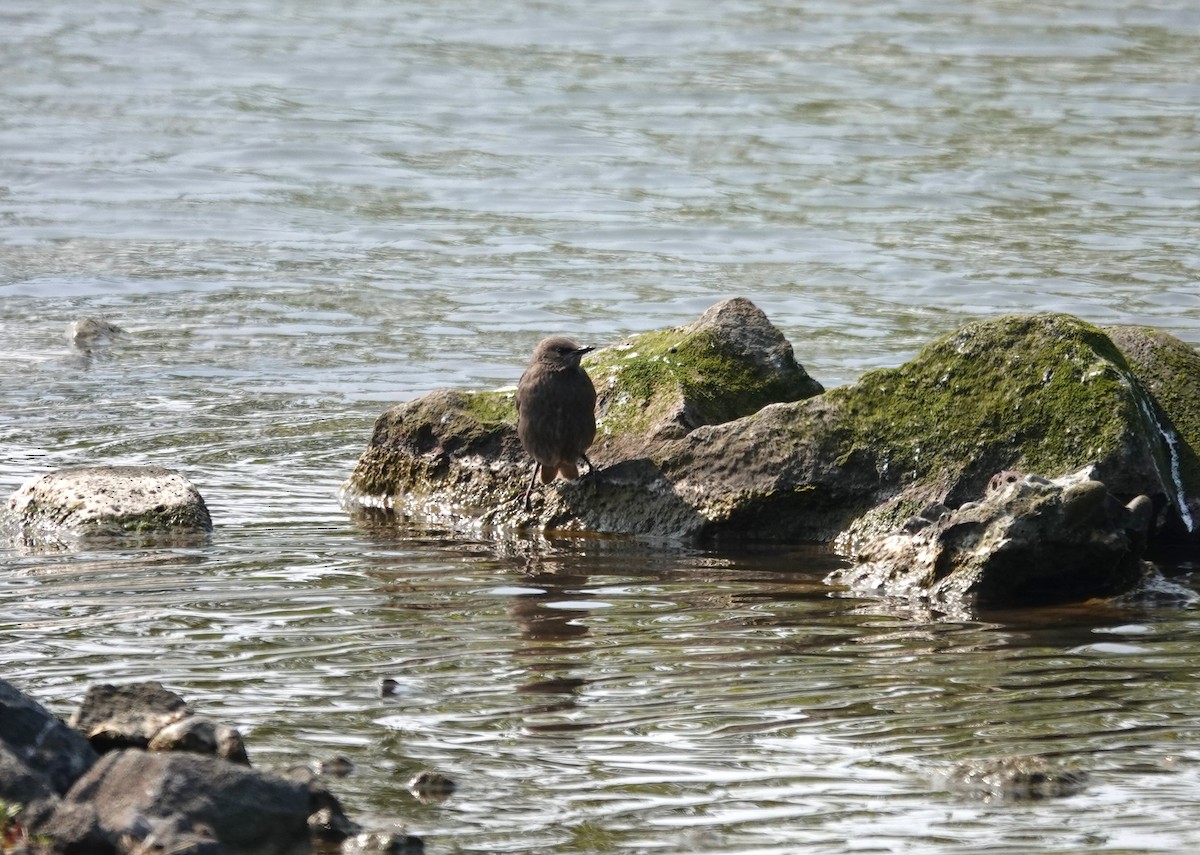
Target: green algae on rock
[
  {"x": 713, "y": 433},
  {"x": 661, "y": 385},
  {"x": 1169, "y": 370},
  {"x": 456, "y": 454}
]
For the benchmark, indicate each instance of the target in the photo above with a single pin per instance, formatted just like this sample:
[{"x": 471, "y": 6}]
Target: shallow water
[{"x": 302, "y": 213}]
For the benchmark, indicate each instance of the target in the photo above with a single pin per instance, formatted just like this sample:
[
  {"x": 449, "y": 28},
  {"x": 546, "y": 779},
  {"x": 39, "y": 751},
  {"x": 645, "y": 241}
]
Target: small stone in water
[{"x": 429, "y": 787}]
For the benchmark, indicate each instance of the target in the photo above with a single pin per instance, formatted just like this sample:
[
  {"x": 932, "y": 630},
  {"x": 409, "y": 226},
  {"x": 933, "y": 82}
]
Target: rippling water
[{"x": 302, "y": 212}]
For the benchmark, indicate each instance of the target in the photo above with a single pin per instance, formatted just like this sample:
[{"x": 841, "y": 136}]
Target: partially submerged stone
[
  {"x": 198, "y": 735},
  {"x": 1015, "y": 779},
  {"x": 430, "y": 787},
  {"x": 107, "y": 501},
  {"x": 1028, "y": 541},
  {"x": 383, "y": 843},
  {"x": 1047, "y": 394},
  {"x": 456, "y": 453},
  {"x": 150, "y": 717},
  {"x": 90, "y": 333}
]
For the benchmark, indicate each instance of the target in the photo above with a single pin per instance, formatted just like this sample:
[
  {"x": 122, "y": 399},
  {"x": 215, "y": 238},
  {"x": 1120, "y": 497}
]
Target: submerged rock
[
  {"x": 91, "y": 333},
  {"x": 741, "y": 446},
  {"x": 383, "y": 843},
  {"x": 430, "y": 787},
  {"x": 1015, "y": 779},
  {"x": 1029, "y": 541},
  {"x": 107, "y": 501}
]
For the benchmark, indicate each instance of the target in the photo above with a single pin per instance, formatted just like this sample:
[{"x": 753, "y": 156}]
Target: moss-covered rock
[
  {"x": 712, "y": 432},
  {"x": 1046, "y": 394},
  {"x": 453, "y": 453},
  {"x": 661, "y": 385},
  {"x": 1169, "y": 370}
]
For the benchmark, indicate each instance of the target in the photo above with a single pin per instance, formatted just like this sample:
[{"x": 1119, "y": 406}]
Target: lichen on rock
[{"x": 107, "y": 502}]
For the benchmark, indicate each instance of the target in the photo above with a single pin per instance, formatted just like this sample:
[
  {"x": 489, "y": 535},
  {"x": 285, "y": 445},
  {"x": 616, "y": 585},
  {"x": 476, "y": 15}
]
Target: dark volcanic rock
[
  {"x": 133, "y": 801},
  {"x": 53, "y": 752}
]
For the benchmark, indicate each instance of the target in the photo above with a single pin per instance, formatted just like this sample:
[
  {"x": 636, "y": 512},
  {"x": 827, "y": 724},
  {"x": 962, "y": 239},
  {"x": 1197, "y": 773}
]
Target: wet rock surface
[
  {"x": 130, "y": 800},
  {"x": 1027, "y": 541},
  {"x": 90, "y": 502},
  {"x": 1015, "y": 779},
  {"x": 455, "y": 454},
  {"x": 1043, "y": 394}
]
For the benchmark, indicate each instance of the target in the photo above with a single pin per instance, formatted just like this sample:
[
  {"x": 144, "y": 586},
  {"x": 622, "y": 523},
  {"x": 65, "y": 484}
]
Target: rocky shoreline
[
  {"x": 714, "y": 433},
  {"x": 1022, "y": 461},
  {"x": 135, "y": 771}
]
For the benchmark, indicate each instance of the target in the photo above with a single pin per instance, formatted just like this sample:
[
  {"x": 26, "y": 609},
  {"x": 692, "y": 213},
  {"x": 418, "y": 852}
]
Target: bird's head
[{"x": 559, "y": 352}]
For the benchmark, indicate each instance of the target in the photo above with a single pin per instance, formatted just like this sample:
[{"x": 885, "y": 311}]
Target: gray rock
[
  {"x": 383, "y": 843},
  {"x": 89, "y": 333},
  {"x": 1028, "y": 541},
  {"x": 19, "y": 783},
  {"x": 52, "y": 752},
  {"x": 167, "y": 796},
  {"x": 127, "y": 716},
  {"x": 108, "y": 501},
  {"x": 456, "y": 454},
  {"x": 133, "y": 801},
  {"x": 1015, "y": 779},
  {"x": 201, "y": 736},
  {"x": 1040, "y": 393},
  {"x": 430, "y": 787}
]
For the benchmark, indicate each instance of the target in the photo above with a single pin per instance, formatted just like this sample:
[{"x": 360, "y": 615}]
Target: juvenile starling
[{"x": 556, "y": 410}]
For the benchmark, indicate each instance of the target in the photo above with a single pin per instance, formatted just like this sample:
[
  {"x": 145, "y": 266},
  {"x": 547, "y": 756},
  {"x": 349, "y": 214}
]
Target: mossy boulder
[
  {"x": 456, "y": 453},
  {"x": 712, "y": 432},
  {"x": 1046, "y": 394},
  {"x": 1169, "y": 370}
]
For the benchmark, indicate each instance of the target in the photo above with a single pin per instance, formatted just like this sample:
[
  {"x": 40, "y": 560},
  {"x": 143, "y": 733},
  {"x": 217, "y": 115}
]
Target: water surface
[{"x": 303, "y": 212}]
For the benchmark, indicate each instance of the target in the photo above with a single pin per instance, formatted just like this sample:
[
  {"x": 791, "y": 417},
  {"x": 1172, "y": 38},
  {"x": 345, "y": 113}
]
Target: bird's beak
[{"x": 584, "y": 350}]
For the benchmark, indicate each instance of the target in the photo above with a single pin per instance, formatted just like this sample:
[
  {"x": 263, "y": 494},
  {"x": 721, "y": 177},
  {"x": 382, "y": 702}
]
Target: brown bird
[{"x": 556, "y": 410}]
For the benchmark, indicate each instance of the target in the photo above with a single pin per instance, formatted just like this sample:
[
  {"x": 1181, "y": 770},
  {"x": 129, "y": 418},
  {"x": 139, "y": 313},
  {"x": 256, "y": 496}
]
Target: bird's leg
[
  {"x": 529, "y": 489},
  {"x": 592, "y": 472}
]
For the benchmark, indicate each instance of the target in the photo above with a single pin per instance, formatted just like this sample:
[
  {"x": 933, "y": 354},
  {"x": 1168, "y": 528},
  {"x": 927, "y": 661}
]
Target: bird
[{"x": 556, "y": 410}]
